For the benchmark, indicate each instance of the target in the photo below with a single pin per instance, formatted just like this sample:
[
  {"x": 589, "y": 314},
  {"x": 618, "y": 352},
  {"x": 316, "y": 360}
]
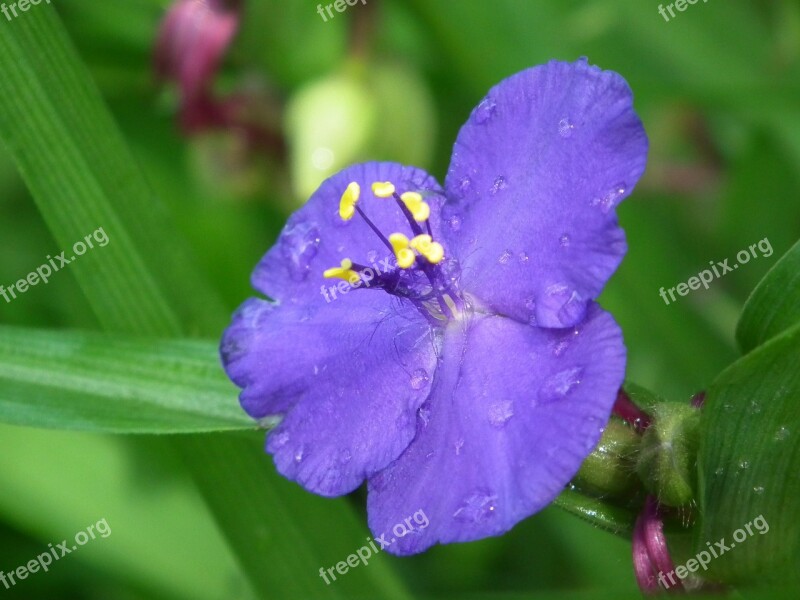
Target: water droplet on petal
[
  {"x": 564, "y": 240},
  {"x": 611, "y": 198},
  {"x": 523, "y": 257},
  {"x": 759, "y": 489},
  {"x": 454, "y": 222},
  {"x": 782, "y": 434},
  {"x": 345, "y": 456},
  {"x": 558, "y": 386},
  {"x": 560, "y": 347},
  {"x": 485, "y": 110},
  {"x": 500, "y": 413},
  {"x": 465, "y": 185},
  {"x": 744, "y": 464},
  {"x": 498, "y": 185},
  {"x": 299, "y": 454},
  {"x": 299, "y": 246},
  {"x": 372, "y": 256},
  {"x": 425, "y": 416},
  {"x": 477, "y": 507},
  {"x": 279, "y": 440},
  {"x": 419, "y": 378},
  {"x": 459, "y": 443},
  {"x": 504, "y": 257},
  {"x": 565, "y": 127}
]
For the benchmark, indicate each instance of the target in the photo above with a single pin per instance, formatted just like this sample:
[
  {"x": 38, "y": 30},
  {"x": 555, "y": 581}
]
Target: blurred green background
[{"x": 718, "y": 88}]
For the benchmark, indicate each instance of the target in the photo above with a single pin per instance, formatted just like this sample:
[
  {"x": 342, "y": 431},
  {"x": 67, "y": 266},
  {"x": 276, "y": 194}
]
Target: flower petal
[
  {"x": 535, "y": 176},
  {"x": 316, "y": 238},
  {"x": 514, "y": 412},
  {"x": 349, "y": 376}
]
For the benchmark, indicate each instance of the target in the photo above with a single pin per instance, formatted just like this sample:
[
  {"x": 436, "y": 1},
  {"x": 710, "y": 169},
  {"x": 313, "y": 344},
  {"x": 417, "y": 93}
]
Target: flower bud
[
  {"x": 361, "y": 113},
  {"x": 668, "y": 459}
]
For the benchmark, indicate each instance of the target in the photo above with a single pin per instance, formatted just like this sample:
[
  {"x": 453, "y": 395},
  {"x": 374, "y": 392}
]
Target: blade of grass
[{"x": 113, "y": 384}]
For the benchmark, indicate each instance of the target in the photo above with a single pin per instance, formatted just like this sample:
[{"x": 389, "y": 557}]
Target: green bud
[
  {"x": 362, "y": 113},
  {"x": 668, "y": 459},
  {"x": 610, "y": 468}
]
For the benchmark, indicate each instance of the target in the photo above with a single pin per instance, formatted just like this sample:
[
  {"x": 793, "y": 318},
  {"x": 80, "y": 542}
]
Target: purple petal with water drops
[
  {"x": 535, "y": 176},
  {"x": 349, "y": 376},
  {"x": 513, "y": 413},
  {"x": 316, "y": 238}
]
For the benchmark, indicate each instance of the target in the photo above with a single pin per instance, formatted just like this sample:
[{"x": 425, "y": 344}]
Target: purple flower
[{"x": 443, "y": 343}]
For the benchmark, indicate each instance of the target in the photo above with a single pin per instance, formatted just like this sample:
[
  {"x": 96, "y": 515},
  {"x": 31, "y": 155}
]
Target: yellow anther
[
  {"x": 431, "y": 250},
  {"x": 405, "y": 256},
  {"x": 383, "y": 189},
  {"x": 347, "y": 205},
  {"x": 418, "y": 208},
  {"x": 345, "y": 271}
]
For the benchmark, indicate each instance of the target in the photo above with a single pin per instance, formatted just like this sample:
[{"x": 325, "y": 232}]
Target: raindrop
[
  {"x": 755, "y": 407},
  {"x": 523, "y": 257},
  {"x": 498, "y": 185},
  {"x": 565, "y": 127},
  {"x": 611, "y": 198},
  {"x": 719, "y": 471},
  {"x": 500, "y": 413},
  {"x": 279, "y": 440},
  {"x": 759, "y": 489},
  {"x": 425, "y": 415},
  {"x": 744, "y": 464},
  {"x": 299, "y": 454},
  {"x": 459, "y": 443},
  {"x": 782, "y": 434},
  {"x": 560, "y": 347},
  {"x": 477, "y": 507},
  {"x": 559, "y": 385},
  {"x": 504, "y": 257},
  {"x": 345, "y": 456},
  {"x": 372, "y": 256},
  {"x": 564, "y": 240},
  {"x": 454, "y": 222},
  {"x": 299, "y": 247},
  {"x": 485, "y": 110},
  {"x": 419, "y": 379},
  {"x": 465, "y": 185}
]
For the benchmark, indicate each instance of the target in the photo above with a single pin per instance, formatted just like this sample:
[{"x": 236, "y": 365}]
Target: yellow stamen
[
  {"x": 345, "y": 271},
  {"x": 383, "y": 189},
  {"x": 416, "y": 206},
  {"x": 347, "y": 205},
  {"x": 431, "y": 250},
  {"x": 405, "y": 256}
]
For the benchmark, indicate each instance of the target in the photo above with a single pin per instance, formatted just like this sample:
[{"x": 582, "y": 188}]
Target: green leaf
[
  {"x": 774, "y": 305},
  {"x": 80, "y": 172},
  {"x": 114, "y": 384},
  {"x": 749, "y": 464}
]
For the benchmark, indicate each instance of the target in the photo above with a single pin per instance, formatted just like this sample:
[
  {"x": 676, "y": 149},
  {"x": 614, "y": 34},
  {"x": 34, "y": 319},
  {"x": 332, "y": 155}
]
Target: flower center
[{"x": 422, "y": 273}]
